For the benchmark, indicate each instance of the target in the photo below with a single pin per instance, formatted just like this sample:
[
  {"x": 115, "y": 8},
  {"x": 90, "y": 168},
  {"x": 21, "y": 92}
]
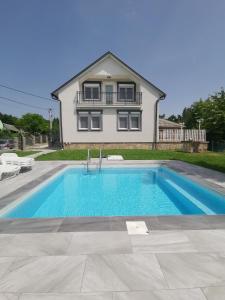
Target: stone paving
[
  {"x": 163, "y": 265},
  {"x": 183, "y": 257}
]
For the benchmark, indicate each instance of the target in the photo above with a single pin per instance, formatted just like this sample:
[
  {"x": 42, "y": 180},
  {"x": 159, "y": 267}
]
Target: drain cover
[{"x": 137, "y": 227}]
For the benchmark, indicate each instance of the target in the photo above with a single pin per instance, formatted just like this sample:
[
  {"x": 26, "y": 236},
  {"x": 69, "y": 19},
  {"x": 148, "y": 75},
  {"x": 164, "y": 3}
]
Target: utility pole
[
  {"x": 199, "y": 127},
  {"x": 181, "y": 131},
  {"x": 50, "y": 125}
]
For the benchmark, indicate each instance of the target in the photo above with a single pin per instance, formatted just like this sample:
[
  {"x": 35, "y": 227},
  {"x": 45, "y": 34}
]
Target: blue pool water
[{"x": 119, "y": 192}]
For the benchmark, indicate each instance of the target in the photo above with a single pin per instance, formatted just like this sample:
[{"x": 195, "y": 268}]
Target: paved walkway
[
  {"x": 165, "y": 265},
  {"x": 41, "y": 151}
]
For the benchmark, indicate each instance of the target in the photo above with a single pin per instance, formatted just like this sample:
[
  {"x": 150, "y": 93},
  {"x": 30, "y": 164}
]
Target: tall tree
[{"x": 34, "y": 124}]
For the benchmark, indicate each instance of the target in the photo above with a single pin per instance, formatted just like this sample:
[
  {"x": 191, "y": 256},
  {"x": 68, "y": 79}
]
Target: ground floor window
[
  {"x": 135, "y": 121},
  {"x": 129, "y": 120},
  {"x": 89, "y": 120}
]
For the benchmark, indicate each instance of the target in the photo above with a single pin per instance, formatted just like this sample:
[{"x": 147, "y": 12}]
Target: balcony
[{"x": 109, "y": 99}]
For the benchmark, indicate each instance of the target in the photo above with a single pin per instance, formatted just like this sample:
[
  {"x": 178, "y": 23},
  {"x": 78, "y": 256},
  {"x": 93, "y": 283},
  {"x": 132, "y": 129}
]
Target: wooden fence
[{"x": 179, "y": 135}]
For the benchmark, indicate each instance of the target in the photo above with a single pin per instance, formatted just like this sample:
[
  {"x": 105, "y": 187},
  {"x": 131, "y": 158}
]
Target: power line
[
  {"x": 21, "y": 103},
  {"x": 26, "y": 93}
]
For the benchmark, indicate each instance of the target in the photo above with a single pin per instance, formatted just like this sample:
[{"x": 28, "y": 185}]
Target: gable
[{"x": 108, "y": 65}]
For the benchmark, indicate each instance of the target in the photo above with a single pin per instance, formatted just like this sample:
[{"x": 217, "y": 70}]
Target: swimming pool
[{"x": 119, "y": 192}]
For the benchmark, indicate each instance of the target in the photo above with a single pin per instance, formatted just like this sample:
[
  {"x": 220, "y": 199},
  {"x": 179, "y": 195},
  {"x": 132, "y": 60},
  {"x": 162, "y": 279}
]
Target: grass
[
  {"x": 211, "y": 160},
  {"x": 25, "y": 153}
]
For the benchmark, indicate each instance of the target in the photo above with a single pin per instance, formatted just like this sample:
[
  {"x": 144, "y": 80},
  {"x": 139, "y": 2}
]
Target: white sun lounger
[
  {"x": 8, "y": 169},
  {"x": 114, "y": 157},
  {"x": 14, "y": 159}
]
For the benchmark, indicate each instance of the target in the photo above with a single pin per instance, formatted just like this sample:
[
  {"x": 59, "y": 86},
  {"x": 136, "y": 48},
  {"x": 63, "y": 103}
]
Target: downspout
[
  {"x": 60, "y": 120},
  {"x": 156, "y": 121}
]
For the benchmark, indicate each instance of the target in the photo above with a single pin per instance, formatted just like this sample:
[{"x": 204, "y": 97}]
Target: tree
[
  {"x": 210, "y": 111},
  {"x": 34, "y": 124},
  {"x": 163, "y": 116},
  {"x": 175, "y": 118},
  {"x": 212, "y": 114},
  {"x": 8, "y": 119}
]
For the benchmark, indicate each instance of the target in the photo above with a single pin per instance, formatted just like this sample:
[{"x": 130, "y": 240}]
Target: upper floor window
[
  {"x": 91, "y": 91},
  {"x": 126, "y": 91}
]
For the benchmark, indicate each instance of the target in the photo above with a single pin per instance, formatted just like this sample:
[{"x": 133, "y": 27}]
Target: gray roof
[
  {"x": 163, "y": 123},
  {"x": 10, "y": 127}
]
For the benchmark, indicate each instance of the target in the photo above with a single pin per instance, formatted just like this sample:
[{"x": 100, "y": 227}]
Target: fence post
[{"x": 16, "y": 142}]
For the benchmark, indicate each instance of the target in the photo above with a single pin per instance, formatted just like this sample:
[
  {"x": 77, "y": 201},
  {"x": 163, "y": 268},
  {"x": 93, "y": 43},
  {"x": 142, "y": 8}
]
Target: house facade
[{"x": 110, "y": 105}]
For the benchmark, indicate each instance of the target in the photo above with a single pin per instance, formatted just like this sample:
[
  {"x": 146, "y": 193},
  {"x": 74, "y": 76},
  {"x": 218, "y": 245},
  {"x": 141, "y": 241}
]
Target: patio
[{"x": 182, "y": 258}]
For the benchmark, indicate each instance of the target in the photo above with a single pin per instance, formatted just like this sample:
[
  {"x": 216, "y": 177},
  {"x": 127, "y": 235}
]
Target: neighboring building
[
  {"x": 173, "y": 136},
  {"x": 109, "y": 104},
  {"x": 10, "y": 127}
]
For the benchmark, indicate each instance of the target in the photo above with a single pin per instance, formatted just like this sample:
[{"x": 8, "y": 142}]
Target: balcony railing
[{"x": 108, "y": 99}]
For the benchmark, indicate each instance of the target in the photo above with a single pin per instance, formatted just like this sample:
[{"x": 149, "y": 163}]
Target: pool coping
[{"x": 80, "y": 224}]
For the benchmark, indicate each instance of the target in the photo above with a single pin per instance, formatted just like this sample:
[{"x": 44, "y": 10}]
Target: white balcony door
[{"x": 109, "y": 93}]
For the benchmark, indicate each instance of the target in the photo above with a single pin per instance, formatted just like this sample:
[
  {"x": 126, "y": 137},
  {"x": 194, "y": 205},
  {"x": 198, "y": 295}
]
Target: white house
[{"x": 110, "y": 105}]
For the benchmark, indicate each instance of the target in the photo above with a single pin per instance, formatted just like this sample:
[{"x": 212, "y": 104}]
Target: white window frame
[
  {"x": 96, "y": 114},
  {"x": 91, "y": 85},
  {"x": 135, "y": 114},
  {"x": 83, "y": 114},
  {"x": 122, "y": 114},
  {"x": 129, "y": 115},
  {"x": 89, "y": 115},
  {"x": 126, "y": 85}
]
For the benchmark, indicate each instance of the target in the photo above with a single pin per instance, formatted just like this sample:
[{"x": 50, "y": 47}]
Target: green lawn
[
  {"x": 211, "y": 160},
  {"x": 25, "y": 153}
]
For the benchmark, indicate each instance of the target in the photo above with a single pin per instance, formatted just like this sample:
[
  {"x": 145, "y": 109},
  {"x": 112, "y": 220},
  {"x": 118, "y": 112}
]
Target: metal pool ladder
[{"x": 91, "y": 162}]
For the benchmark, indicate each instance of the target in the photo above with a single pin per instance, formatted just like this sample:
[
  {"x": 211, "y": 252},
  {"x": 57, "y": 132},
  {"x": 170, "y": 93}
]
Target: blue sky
[{"x": 179, "y": 45}]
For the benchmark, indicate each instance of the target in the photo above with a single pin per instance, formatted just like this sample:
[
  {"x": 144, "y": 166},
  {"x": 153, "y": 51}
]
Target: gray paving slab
[
  {"x": 71, "y": 296},
  {"x": 207, "y": 241},
  {"x": 37, "y": 244},
  {"x": 99, "y": 243},
  {"x": 162, "y": 242},
  {"x": 4, "y": 224},
  {"x": 215, "y": 293},
  {"x": 31, "y": 225},
  {"x": 5, "y": 263},
  {"x": 122, "y": 272},
  {"x": 43, "y": 274},
  {"x": 189, "y": 270},
  {"x": 9, "y": 296},
  {"x": 183, "y": 222},
  {"x": 184, "y": 294},
  {"x": 216, "y": 222},
  {"x": 82, "y": 224}
]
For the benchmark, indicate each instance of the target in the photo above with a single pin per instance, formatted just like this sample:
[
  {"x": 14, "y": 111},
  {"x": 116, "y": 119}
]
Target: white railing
[{"x": 179, "y": 135}]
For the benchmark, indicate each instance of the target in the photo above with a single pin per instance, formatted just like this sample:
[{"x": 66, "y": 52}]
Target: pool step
[{"x": 191, "y": 198}]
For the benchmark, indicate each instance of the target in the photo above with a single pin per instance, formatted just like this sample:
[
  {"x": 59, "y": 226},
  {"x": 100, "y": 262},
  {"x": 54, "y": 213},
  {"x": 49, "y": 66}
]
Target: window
[
  {"x": 89, "y": 120},
  {"x": 123, "y": 121},
  {"x": 129, "y": 120},
  {"x": 91, "y": 91},
  {"x": 126, "y": 92},
  {"x": 96, "y": 120},
  {"x": 135, "y": 121},
  {"x": 83, "y": 121}
]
